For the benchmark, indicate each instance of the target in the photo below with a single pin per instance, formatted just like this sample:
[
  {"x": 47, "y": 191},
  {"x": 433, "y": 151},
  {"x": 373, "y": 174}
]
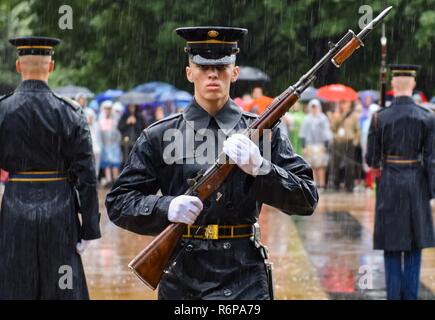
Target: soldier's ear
[
  {"x": 18, "y": 66},
  {"x": 51, "y": 67},
  {"x": 235, "y": 75},
  {"x": 189, "y": 74}
]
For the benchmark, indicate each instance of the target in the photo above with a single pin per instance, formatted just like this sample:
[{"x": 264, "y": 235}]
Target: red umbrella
[{"x": 337, "y": 92}]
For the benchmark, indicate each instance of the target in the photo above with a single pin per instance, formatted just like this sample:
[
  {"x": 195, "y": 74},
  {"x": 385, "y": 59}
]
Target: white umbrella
[
  {"x": 252, "y": 74},
  {"x": 135, "y": 97},
  {"x": 72, "y": 91}
]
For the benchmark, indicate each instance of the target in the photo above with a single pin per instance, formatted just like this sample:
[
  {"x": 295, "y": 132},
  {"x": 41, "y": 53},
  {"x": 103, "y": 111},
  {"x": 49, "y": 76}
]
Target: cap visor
[{"x": 197, "y": 59}]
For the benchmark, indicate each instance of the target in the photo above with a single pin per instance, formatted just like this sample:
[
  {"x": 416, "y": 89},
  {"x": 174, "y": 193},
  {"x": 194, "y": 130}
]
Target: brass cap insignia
[{"x": 213, "y": 33}]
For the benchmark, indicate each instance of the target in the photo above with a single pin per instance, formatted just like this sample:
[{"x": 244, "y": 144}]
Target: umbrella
[
  {"x": 155, "y": 88},
  {"x": 93, "y": 104},
  {"x": 308, "y": 94},
  {"x": 337, "y": 92},
  {"x": 252, "y": 74},
  {"x": 111, "y": 94},
  {"x": 372, "y": 93},
  {"x": 176, "y": 97},
  {"x": 72, "y": 91},
  {"x": 135, "y": 97},
  {"x": 432, "y": 100}
]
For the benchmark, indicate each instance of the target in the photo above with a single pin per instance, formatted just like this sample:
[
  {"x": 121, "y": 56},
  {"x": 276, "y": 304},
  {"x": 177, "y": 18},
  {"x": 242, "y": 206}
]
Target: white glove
[
  {"x": 82, "y": 245},
  {"x": 244, "y": 152},
  {"x": 184, "y": 209}
]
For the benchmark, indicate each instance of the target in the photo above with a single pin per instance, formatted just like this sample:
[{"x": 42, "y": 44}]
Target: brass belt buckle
[{"x": 211, "y": 232}]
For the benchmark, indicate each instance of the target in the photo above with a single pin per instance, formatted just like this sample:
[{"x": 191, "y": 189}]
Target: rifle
[
  {"x": 150, "y": 264},
  {"x": 383, "y": 70}
]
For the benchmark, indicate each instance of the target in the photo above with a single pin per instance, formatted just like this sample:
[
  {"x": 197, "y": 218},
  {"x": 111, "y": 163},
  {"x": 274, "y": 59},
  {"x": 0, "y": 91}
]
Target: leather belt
[
  {"x": 37, "y": 176},
  {"x": 401, "y": 160},
  {"x": 215, "y": 231}
]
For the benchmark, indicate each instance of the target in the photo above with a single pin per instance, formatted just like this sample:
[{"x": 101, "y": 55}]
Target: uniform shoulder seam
[
  {"x": 6, "y": 96},
  {"x": 69, "y": 101},
  {"x": 424, "y": 108}
]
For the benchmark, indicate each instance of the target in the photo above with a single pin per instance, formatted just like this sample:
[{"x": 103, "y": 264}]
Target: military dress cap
[
  {"x": 404, "y": 70},
  {"x": 212, "y": 45},
  {"x": 41, "y": 46}
]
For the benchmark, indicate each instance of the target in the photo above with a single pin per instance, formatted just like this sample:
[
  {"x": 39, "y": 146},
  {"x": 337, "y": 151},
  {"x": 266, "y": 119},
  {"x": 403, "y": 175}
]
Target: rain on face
[{"x": 212, "y": 82}]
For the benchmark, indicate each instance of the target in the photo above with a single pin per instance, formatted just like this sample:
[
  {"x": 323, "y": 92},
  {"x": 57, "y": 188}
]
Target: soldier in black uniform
[
  {"x": 46, "y": 147},
  {"x": 217, "y": 257},
  {"x": 401, "y": 143}
]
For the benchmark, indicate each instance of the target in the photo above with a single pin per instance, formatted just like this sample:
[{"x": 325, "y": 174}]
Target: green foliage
[
  {"x": 119, "y": 44},
  {"x": 15, "y": 18}
]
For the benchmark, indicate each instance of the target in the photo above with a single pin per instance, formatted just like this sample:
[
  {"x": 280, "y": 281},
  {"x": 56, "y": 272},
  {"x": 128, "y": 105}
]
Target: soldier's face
[{"x": 212, "y": 82}]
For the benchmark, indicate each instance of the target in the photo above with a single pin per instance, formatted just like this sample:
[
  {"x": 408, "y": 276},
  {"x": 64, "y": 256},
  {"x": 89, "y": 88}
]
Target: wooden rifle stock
[
  {"x": 347, "y": 50},
  {"x": 150, "y": 264}
]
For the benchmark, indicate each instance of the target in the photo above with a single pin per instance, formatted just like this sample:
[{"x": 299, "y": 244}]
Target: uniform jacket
[
  {"x": 403, "y": 131},
  {"x": 39, "y": 222},
  {"x": 208, "y": 269}
]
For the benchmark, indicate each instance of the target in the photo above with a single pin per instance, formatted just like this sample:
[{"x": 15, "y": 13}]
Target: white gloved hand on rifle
[
  {"x": 184, "y": 209},
  {"x": 244, "y": 152}
]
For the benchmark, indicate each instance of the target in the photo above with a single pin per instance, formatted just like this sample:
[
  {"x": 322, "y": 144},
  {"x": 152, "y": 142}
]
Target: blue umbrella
[
  {"x": 432, "y": 100},
  {"x": 93, "y": 104},
  {"x": 156, "y": 88},
  {"x": 136, "y": 97},
  {"x": 372, "y": 93},
  {"x": 174, "y": 99},
  {"x": 111, "y": 94},
  {"x": 182, "y": 99},
  {"x": 178, "y": 97}
]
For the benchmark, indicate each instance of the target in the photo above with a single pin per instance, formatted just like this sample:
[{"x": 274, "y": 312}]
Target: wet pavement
[
  {"x": 338, "y": 239},
  {"x": 324, "y": 256}
]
